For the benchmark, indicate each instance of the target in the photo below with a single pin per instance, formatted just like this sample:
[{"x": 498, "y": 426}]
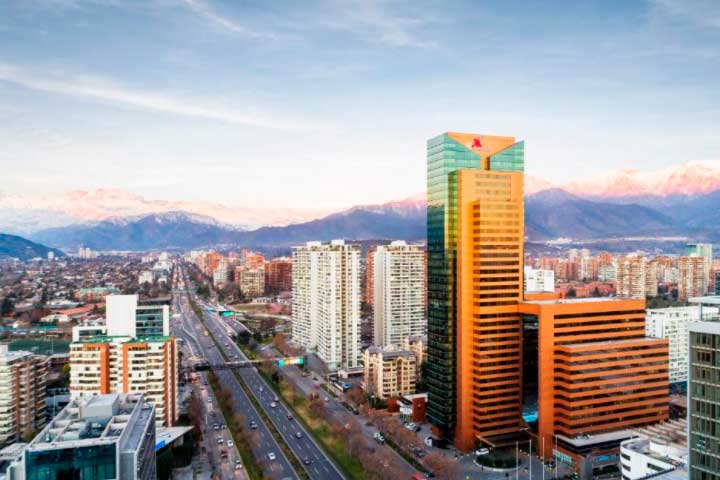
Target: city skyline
[{"x": 93, "y": 92}]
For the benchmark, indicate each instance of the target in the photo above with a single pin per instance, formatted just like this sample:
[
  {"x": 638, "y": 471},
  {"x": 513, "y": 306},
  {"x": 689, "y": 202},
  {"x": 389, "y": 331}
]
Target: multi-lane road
[
  {"x": 265, "y": 448},
  {"x": 315, "y": 462}
]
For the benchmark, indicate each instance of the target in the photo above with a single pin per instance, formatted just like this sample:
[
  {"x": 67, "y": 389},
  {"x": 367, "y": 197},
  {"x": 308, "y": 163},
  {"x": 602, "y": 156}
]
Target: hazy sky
[{"x": 325, "y": 104}]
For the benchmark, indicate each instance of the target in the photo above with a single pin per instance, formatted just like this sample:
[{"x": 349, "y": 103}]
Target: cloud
[
  {"x": 703, "y": 13},
  {"x": 108, "y": 91},
  {"x": 203, "y": 9},
  {"x": 374, "y": 19}
]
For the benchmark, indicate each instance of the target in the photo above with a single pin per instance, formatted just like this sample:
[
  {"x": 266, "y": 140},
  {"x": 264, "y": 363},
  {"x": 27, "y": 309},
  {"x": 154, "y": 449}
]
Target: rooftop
[
  {"x": 707, "y": 300},
  {"x": 611, "y": 342},
  {"x": 569, "y": 301},
  {"x": 588, "y": 440}
]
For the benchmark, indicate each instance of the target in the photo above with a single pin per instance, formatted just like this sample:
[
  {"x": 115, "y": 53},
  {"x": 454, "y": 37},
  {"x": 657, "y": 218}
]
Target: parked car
[{"x": 379, "y": 437}]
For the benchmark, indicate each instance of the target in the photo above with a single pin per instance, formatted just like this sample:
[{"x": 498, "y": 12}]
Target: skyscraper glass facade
[{"x": 444, "y": 156}]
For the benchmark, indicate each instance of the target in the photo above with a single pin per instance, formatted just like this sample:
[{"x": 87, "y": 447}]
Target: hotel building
[{"x": 399, "y": 305}]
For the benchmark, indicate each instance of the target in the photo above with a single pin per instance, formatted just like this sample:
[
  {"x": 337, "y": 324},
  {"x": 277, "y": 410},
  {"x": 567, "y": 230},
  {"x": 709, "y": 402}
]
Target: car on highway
[
  {"x": 253, "y": 426},
  {"x": 289, "y": 417},
  {"x": 271, "y": 456},
  {"x": 220, "y": 441},
  {"x": 273, "y": 405},
  {"x": 298, "y": 434},
  {"x": 238, "y": 465},
  {"x": 306, "y": 461}
]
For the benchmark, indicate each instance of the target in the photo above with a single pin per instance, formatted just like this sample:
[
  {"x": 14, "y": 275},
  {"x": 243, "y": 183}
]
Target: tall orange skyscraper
[{"x": 475, "y": 262}]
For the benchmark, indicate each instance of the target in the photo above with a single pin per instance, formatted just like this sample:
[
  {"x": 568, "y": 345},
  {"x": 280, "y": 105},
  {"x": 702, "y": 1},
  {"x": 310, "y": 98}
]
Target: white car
[
  {"x": 482, "y": 451},
  {"x": 271, "y": 456},
  {"x": 230, "y": 443},
  {"x": 273, "y": 405}
]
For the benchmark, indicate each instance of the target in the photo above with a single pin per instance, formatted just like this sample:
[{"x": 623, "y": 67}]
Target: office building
[
  {"x": 326, "y": 302},
  {"x": 654, "y": 450},
  {"x": 704, "y": 391},
  {"x": 389, "y": 372},
  {"x": 278, "y": 275},
  {"x": 672, "y": 323},
  {"x": 399, "y": 307},
  {"x": 475, "y": 244},
  {"x": 250, "y": 280},
  {"x": 596, "y": 375},
  {"x": 103, "y": 437},
  {"x": 630, "y": 274},
  {"x": 539, "y": 280},
  {"x": 22, "y": 394}
]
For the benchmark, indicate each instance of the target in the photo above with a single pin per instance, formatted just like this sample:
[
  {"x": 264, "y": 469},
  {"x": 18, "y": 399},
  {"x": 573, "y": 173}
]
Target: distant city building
[
  {"x": 389, "y": 372},
  {"x": 220, "y": 274},
  {"x": 278, "y": 274},
  {"x": 253, "y": 259},
  {"x": 693, "y": 281},
  {"x": 51, "y": 256},
  {"x": 704, "y": 391},
  {"x": 95, "y": 294},
  {"x": 608, "y": 272},
  {"x": 651, "y": 278},
  {"x": 703, "y": 250},
  {"x": 399, "y": 305},
  {"x": 250, "y": 280},
  {"x": 86, "y": 253},
  {"x": 717, "y": 282},
  {"x": 146, "y": 276},
  {"x": 672, "y": 323},
  {"x": 22, "y": 394},
  {"x": 55, "y": 318},
  {"x": 326, "y": 302},
  {"x": 103, "y": 437},
  {"x": 655, "y": 449},
  {"x": 630, "y": 277},
  {"x": 539, "y": 280}
]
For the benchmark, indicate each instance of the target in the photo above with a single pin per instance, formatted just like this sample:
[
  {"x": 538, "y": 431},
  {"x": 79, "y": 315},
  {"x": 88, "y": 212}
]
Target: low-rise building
[
  {"x": 389, "y": 372},
  {"x": 654, "y": 450},
  {"x": 250, "y": 280},
  {"x": 103, "y": 437},
  {"x": 539, "y": 280}
]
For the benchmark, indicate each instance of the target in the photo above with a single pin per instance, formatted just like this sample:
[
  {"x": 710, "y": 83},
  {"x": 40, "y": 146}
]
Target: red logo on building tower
[{"x": 476, "y": 143}]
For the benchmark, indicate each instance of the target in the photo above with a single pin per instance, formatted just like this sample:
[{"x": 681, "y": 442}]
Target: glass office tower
[{"x": 446, "y": 154}]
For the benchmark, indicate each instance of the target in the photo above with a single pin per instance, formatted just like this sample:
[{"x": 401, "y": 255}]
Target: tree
[
  {"x": 6, "y": 307},
  {"x": 355, "y": 396},
  {"x": 443, "y": 467}
]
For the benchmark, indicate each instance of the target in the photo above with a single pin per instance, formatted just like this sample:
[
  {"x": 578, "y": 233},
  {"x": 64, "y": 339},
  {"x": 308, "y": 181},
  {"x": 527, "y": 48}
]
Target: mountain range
[
  {"x": 669, "y": 203},
  {"x": 17, "y": 247}
]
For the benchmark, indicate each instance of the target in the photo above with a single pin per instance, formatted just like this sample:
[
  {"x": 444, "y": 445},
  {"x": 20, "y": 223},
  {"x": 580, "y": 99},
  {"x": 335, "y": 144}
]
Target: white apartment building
[
  {"x": 326, "y": 302},
  {"x": 539, "y": 280},
  {"x": 220, "y": 275},
  {"x": 22, "y": 394},
  {"x": 631, "y": 277},
  {"x": 399, "y": 299},
  {"x": 608, "y": 273},
  {"x": 672, "y": 323}
]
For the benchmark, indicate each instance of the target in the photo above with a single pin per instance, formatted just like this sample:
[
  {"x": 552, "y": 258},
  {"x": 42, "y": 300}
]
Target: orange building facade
[{"x": 597, "y": 372}]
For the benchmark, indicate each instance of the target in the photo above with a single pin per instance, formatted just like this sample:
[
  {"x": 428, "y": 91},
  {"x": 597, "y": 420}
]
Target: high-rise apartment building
[
  {"x": 370, "y": 276},
  {"x": 704, "y": 392},
  {"x": 326, "y": 302},
  {"x": 22, "y": 394},
  {"x": 220, "y": 274},
  {"x": 131, "y": 353},
  {"x": 399, "y": 306},
  {"x": 102, "y": 437},
  {"x": 595, "y": 375},
  {"x": 475, "y": 261},
  {"x": 630, "y": 277},
  {"x": 389, "y": 372},
  {"x": 693, "y": 279},
  {"x": 278, "y": 274}
]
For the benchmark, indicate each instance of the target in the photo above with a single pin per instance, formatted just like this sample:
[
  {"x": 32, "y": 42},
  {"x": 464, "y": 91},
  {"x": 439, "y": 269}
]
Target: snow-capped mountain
[{"x": 27, "y": 214}]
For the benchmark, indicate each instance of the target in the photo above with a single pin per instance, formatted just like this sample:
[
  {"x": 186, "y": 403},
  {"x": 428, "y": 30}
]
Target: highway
[
  {"x": 191, "y": 331},
  {"x": 315, "y": 462}
]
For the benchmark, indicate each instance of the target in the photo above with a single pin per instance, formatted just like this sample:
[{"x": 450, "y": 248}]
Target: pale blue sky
[{"x": 327, "y": 104}]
